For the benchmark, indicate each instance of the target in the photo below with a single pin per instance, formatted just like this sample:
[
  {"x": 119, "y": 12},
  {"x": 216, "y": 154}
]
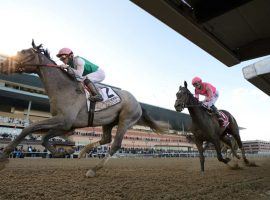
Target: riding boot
[
  {"x": 215, "y": 111},
  {"x": 94, "y": 94}
]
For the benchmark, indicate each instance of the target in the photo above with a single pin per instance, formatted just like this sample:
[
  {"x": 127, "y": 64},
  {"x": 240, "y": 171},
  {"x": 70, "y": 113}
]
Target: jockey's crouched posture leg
[
  {"x": 94, "y": 93},
  {"x": 215, "y": 111}
]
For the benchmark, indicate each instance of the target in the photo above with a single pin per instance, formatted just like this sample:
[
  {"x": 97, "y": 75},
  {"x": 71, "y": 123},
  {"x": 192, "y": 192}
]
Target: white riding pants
[
  {"x": 212, "y": 101},
  {"x": 96, "y": 76}
]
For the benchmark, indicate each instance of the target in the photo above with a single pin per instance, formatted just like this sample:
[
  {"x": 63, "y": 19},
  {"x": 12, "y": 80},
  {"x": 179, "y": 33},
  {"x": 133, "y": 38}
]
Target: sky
[{"x": 137, "y": 52}]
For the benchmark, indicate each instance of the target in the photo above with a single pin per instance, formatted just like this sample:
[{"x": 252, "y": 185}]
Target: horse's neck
[
  {"x": 55, "y": 80},
  {"x": 195, "y": 111}
]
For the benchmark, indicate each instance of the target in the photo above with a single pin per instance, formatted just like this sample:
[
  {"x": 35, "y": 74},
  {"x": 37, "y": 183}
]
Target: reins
[
  {"x": 24, "y": 64},
  {"x": 186, "y": 106},
  {"x": 39, "y": 65},
  {"x": 191, "y": 105}
]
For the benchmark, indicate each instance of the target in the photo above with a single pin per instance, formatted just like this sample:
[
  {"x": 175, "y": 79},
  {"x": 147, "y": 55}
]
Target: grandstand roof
[
  {"x": 259, "y": 75},
  {"x": 231, "y": 31},
  {"x": 26, "y": 79}
]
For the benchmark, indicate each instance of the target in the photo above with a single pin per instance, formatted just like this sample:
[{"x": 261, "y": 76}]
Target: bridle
[
  {"x": 184, "y": 105},
  {"x": 27, "y": 59}
]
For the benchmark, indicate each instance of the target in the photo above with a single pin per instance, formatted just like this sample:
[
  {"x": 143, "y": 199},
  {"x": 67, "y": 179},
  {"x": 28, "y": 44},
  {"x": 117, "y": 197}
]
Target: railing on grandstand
[{"x": 138, "y": 153}]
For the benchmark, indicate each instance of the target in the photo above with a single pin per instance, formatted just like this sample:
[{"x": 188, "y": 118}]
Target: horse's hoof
[
  {"x": 90, "y": 173},
  {"x": 227, "y": 160}
]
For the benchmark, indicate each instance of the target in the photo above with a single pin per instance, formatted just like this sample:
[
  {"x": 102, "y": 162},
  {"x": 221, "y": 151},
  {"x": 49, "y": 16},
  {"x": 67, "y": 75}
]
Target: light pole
[
  {"x": 146, "y": 141},
  {"x": 133, "y": 141},
  {"x": 90, "y": 139}
]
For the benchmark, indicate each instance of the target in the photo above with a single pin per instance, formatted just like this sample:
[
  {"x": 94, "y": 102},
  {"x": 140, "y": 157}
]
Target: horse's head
[
  {"x": 26, "y": 61},
  {"x": 182, "y": 98}
]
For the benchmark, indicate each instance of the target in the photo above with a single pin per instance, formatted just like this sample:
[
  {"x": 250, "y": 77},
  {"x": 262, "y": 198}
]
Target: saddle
[
  {"x": 222, "y": 118},
  {"x": 110, "y": 98}
]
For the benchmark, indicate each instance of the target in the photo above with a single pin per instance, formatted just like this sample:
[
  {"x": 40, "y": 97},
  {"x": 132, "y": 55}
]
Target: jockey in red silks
[
  {"x": 209, "y": 91},
  {"x": 83, "y": 70}
]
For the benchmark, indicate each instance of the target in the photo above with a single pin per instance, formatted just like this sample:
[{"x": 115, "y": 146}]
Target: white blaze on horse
[{"x": 68, "y": 106}]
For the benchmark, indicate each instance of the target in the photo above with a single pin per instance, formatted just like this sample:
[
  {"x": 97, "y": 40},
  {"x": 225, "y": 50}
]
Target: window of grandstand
[
  {"x": 10, "y": 121},
  {"x": 23, "y": 87}
]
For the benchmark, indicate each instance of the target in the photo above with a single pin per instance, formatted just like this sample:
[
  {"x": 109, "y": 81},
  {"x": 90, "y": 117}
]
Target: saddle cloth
[
  {"x": 224, "y": 119},
  {"x": 110, "y": 98}
]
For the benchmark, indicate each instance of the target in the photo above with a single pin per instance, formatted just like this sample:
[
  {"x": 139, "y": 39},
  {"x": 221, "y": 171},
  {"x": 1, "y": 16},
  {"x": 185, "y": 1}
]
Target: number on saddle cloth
[
  {"x": 221, "y": 116},
  {"x": 224, "y": 119},
  {"x": 110, "y": 98}
]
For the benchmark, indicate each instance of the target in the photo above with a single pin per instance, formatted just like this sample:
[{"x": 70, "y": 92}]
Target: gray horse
[
  {"x": 69, "y": 108},
  {"x": 206, "y": 127}
]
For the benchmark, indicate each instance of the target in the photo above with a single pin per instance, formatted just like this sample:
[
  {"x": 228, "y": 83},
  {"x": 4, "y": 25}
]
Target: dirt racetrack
[{"x": 137, "y": 178}]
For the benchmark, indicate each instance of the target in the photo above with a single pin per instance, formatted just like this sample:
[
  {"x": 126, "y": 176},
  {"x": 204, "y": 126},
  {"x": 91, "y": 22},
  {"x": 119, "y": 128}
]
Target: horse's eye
[{"x": 23, "y": 51}]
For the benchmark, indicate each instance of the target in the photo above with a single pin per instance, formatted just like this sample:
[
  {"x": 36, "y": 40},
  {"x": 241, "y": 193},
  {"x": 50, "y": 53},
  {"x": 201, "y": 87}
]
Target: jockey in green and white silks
[{"x": 83, "y": 70}]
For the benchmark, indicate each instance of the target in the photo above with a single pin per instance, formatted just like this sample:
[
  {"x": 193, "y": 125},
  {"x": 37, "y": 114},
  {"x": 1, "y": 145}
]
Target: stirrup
[{"x": 96, "y": 98}]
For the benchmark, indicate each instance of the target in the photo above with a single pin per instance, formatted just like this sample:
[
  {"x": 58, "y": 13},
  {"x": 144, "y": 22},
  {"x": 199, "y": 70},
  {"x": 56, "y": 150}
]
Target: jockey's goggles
[
  {"x": 196, "y": 84},
  {"x": 63, "y": 57}
]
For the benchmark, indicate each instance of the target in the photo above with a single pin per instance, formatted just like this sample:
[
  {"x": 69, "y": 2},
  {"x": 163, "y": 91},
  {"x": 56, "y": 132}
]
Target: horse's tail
[{"x": 157, "y": 126}]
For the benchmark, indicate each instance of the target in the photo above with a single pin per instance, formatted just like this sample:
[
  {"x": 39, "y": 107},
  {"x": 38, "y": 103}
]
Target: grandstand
[{"x": 23, "y": 101}]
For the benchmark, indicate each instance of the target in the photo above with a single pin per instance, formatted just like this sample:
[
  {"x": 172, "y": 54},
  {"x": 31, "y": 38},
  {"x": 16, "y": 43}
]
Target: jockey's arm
[
  {"x": 79, "y": 63},
  {"x": 73, "y": 75},
  {"x": 196, "y": 95},
  {"x": 77, "y": 73}
]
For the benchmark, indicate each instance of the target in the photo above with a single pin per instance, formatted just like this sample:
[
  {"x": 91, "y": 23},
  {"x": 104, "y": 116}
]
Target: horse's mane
[
  {"x": 192, "y": 98},
  {"x": 47, "y": 55},
  {"x": 45, "y": 52}
]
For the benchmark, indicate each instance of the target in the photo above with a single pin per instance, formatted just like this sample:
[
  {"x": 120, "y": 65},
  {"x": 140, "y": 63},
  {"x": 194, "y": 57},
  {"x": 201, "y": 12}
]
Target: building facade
[{"x": 257, "y": 147}]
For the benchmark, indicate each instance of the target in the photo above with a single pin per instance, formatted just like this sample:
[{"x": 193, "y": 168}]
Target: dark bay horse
[
  {"x": 205, "y": 127},
  {"x": 69, "y": 108},
  {"x": 223, "y": 146}
]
